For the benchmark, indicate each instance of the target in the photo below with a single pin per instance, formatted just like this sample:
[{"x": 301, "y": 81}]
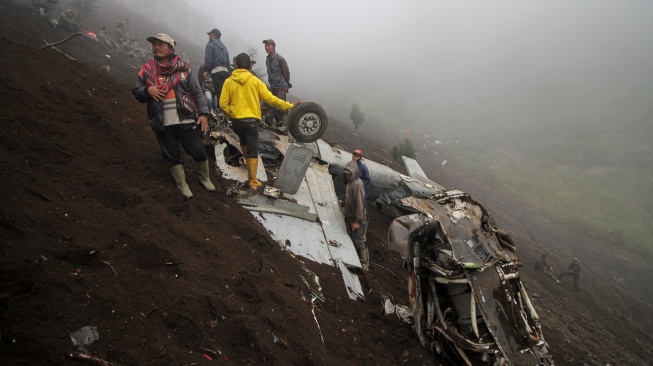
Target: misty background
[{"x": 550, "y": 101}]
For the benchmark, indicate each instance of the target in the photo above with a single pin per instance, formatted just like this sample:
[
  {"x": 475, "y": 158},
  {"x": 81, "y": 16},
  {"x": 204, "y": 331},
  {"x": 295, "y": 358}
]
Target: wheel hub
[{"x": 309, "y": 124}]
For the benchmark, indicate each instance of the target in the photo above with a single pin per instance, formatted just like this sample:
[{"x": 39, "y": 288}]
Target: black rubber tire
[{"x": 307, "y": 122}]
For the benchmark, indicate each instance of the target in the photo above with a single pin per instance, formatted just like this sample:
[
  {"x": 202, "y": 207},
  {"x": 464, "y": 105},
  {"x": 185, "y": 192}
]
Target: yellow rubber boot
[
  {"x": 205, "y": 179},
  {"x": 180, "y": 178},
  {"x": 252, "y": 166}
]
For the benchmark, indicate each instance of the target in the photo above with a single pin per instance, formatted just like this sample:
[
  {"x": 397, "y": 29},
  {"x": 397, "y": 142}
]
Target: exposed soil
[{"x": 172, "y": 281}]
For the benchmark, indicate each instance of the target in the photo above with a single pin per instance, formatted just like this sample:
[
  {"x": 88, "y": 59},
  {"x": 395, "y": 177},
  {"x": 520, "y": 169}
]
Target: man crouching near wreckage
[
  {"x": 173, "y": 96},
  {"x": 355, "y": 211},
  {"x": 240, "y": 101}
]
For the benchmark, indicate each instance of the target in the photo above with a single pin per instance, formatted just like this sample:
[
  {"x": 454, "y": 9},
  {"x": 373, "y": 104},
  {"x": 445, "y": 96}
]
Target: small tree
[
  {"x": 259, "y": 72},
  {"x": 404, "y": 148},
  {"x": 357, "y": 116}
]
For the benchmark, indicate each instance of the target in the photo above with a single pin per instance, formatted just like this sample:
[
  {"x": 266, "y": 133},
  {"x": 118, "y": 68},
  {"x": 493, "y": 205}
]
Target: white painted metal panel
[
  {"x": 333, "y": 221},
  {"x": 352, "y": 283},
  {"x": 300, "y": 237},
  {"x": 414, "y": 169},
  {"x": 238, "y": 173}
]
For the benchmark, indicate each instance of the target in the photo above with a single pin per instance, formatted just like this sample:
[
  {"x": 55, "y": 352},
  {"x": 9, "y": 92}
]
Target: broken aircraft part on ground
[
  {"x": 467, "y": 300},
  {"x": 305, "y": 218}
]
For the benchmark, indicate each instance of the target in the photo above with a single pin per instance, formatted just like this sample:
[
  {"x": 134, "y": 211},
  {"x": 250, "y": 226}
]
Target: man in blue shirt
[{"x": 216, "y": 61}]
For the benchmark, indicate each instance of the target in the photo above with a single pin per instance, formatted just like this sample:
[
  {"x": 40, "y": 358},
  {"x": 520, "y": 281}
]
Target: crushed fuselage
[{"x": 467, "y": 299}]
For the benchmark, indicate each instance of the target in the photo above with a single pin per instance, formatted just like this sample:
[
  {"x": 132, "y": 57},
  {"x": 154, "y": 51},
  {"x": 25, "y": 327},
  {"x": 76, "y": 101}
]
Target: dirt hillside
[{"x": 171, "y": 281}]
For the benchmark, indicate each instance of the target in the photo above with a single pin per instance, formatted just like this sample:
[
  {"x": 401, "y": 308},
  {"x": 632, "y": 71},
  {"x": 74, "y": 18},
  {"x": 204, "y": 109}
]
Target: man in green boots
[
  {"x": 240, "y": 101},
  {"x": 175, "y": 108}
]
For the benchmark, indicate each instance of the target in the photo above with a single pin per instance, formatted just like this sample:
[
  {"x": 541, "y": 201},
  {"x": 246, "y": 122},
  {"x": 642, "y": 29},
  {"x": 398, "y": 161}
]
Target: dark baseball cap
[
  {"x": 243, "y": 60},
  {"x": 270, "y": 41},
  {"x": 215, "y": 31}
]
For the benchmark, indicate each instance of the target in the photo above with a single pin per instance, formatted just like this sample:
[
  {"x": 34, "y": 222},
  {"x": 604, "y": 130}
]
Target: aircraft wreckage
[{"x": 467, "y": 300}]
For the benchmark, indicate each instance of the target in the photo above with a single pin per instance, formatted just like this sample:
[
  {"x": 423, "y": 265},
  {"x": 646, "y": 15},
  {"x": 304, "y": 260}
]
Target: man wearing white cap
[{"x": 175, "y": 108}]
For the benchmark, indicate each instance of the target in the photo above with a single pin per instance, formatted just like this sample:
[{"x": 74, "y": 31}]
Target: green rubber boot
[
  {"x": 180, "y": 178},
  {"x": 205, "y": 179}
]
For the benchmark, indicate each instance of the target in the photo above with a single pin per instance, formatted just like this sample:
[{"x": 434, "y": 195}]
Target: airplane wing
[{"x": 307, "y": 220}]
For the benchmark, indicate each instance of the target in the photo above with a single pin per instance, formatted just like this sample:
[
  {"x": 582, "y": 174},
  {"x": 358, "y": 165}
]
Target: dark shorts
[{"x": 247, "y": 131}]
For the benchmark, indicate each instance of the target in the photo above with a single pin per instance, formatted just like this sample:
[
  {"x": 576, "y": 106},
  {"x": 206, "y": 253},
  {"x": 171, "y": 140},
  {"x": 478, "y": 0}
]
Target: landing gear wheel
[{"x": 307, "y": 122}]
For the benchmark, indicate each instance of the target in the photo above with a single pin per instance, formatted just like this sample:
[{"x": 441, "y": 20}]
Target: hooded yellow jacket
[{"x": 241, "y": 95}]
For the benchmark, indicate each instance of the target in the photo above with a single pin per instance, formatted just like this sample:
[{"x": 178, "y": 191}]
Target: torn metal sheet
[
  {"x": 354, "y": 289},
  {"x": 331, "y": 217},
  {"x": 301, "y": 237},
  {"x": 294, "y": 166},
  {"x": 238, "y": 173},
  {"x": 260, "y": 203},
  {"x": 414, "y": 170}
]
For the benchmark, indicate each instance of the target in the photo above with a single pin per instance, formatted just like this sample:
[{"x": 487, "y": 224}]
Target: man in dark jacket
[
  {"x": 363, "y": 172},
  {"x": 173, "y": 96},
  {"x": 574, "y": 272},
  {"x": 355, "y": 211},
  {"x": 278, "y": 78},
  {"x": 216, "y": 61}
]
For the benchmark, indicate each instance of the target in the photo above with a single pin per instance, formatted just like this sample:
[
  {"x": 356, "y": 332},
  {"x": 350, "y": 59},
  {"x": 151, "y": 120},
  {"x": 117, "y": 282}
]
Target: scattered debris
[
  {"x": 271, "y": 192},
  {"x": 40, "y": 262},
  {"x": 403, "y": 312},
  {"x": 109, "y": 264},
  {"x": 84, "y": 337},
  {"x": 90, "y": 359},
  {"x": 282, "y": 341},
  {"x": 60, "y": 42}
]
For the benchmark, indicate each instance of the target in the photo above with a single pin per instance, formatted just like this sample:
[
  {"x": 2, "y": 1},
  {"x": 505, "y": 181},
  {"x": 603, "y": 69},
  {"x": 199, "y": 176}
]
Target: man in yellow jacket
[{"x": 240, "y": 101}]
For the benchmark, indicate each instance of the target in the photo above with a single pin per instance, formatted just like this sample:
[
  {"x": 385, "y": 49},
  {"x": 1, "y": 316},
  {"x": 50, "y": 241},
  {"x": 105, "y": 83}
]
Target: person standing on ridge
[
  {"x": 174, "y": 97},
  {"x": 240, "y": 101},
  {"x": 278, "y": 79},
  {"x": 216, "y": 61}
]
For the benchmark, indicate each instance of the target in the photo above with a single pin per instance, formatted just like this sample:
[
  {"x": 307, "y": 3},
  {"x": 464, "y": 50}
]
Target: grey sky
[
  {"x": 415, "y": 55},
  {"x": 448, "y": 43}
]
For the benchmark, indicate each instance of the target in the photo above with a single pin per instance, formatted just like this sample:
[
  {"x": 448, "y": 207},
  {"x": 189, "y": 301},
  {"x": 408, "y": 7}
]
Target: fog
[{"x": 481, "y": 62}]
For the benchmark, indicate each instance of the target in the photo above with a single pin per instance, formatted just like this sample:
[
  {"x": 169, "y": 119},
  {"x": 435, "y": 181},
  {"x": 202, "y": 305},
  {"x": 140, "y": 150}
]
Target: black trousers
[
  {"x": 247, "y": 131},
  {"x": 188, "y": 136},
  {"x": 218, "y": 79}
]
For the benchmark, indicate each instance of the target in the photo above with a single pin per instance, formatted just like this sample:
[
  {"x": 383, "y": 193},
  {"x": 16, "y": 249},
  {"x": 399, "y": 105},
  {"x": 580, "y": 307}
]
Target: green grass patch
[{"x": 614, "y": 202}]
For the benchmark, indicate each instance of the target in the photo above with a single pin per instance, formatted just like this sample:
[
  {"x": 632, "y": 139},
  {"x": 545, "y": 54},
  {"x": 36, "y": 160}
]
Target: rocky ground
[{"x": 171, "y": 281}]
